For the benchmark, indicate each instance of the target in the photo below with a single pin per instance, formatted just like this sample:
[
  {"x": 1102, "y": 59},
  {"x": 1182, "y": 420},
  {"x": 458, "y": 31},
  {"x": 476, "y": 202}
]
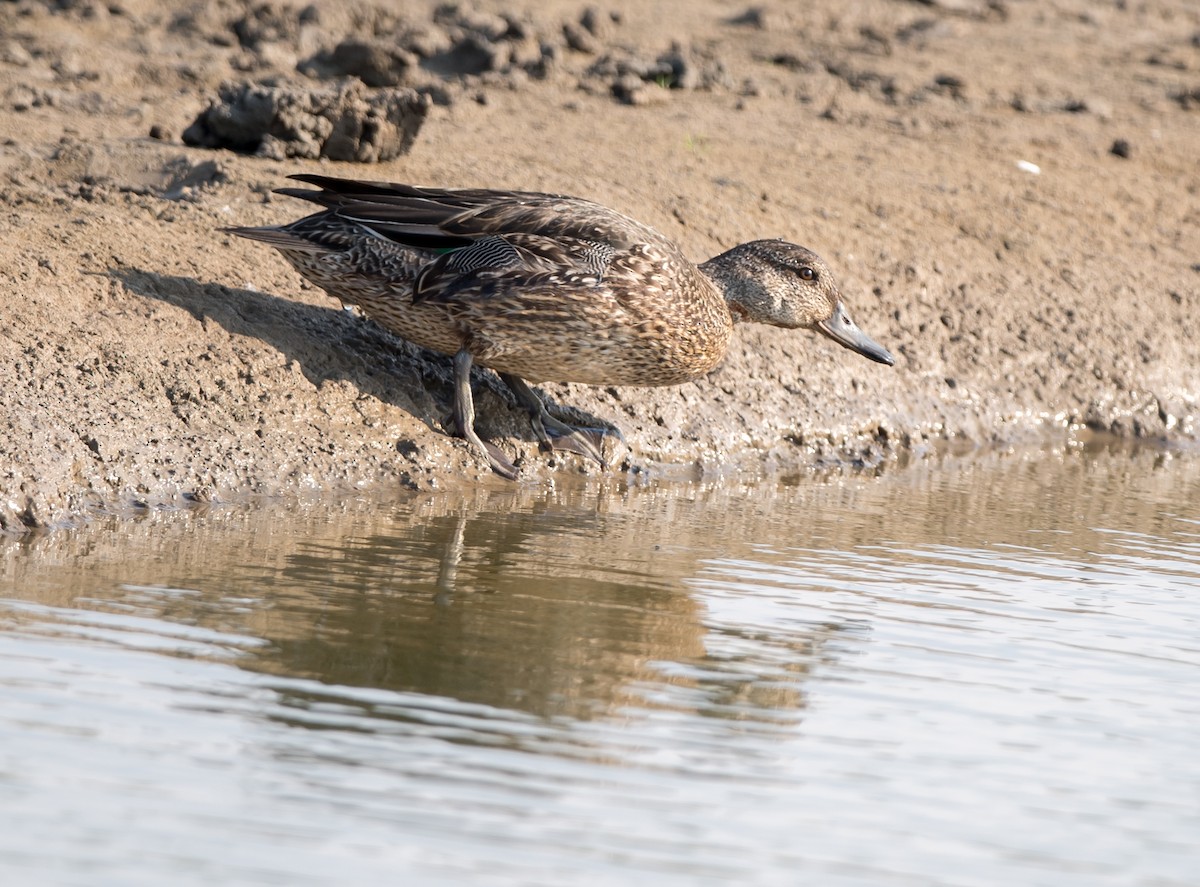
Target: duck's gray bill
[{"x": 845, "y": 332}]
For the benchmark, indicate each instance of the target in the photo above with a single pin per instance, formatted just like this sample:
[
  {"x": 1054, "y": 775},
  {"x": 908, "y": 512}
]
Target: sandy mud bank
[{"x": 1008, "y": 192}]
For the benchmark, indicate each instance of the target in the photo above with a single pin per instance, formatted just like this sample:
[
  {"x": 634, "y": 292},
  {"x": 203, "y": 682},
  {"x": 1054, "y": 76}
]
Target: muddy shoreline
[{"x": 1007, "y": 192}]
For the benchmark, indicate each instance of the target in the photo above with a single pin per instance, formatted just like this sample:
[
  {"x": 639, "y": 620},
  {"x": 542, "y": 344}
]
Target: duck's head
[{"x": 782, "y": 284}]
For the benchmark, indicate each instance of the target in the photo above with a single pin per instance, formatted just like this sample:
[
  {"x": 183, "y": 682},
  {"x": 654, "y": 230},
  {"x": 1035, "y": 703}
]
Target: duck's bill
[{"x": 845, "y": 332}]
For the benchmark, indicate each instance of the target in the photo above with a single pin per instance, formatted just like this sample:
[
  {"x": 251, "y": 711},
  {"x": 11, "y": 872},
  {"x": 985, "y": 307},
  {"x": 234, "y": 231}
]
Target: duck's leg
[
  {"x": 553, "y": 434},
  {"x": 464, "y": 417}
]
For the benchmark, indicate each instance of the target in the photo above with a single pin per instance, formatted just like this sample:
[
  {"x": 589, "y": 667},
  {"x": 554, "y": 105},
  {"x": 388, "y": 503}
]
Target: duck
[{"x": 547, "y": 288}]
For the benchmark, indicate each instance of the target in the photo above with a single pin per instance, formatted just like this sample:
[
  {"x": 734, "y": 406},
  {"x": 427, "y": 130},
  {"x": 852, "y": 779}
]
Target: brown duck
[{"x": 547, "y": 288}]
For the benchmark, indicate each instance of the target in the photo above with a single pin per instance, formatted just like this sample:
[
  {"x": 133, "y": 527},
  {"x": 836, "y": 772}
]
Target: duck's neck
[{"x": 732, "y": 277}]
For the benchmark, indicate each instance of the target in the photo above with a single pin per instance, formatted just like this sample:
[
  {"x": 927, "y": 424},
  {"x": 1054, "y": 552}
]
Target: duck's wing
[
  {"x": 512, "y": 263},
  {"x": 451, "y": 218}
]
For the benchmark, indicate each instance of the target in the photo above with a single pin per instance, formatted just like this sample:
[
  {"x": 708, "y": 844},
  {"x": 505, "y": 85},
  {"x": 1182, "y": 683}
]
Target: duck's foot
[
  {"x": 553, "y": 434},
  {"x": 590, "y": 442},
  {"x": 464, "y": 418},
  {"x": 500, "y": 463}
]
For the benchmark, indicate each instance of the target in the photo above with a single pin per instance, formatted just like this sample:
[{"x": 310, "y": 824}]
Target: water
[{"x": 976, "y": 672}]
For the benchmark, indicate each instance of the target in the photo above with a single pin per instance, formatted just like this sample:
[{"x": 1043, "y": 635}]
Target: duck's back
[{"x": 545, "y": 287}]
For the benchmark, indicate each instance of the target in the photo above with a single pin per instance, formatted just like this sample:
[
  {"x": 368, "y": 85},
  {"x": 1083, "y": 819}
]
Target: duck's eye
[{"x": 808, "y": 274}]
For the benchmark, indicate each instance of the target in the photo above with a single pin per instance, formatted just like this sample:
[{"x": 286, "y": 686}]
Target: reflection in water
[
  {"x": 828, "y": 676},
  {"x": 549, "y": 602}
]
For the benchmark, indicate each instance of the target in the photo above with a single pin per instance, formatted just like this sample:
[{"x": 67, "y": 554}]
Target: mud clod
[{"x": 340, "y": 123}]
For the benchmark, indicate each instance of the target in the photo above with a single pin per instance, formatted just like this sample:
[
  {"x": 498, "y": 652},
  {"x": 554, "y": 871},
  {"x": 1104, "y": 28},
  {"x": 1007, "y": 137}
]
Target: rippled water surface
[{"x": 978, "y": 672}]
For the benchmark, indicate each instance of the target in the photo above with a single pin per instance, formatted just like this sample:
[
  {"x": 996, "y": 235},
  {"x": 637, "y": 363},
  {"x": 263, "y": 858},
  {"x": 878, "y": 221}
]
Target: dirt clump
[{"x": 340, "y": 123}]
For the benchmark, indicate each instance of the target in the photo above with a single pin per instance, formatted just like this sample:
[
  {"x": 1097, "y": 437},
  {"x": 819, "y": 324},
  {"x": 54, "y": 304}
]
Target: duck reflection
[
  {"x": 567, "y": 602},
  {"x": 550, "y": 603}
]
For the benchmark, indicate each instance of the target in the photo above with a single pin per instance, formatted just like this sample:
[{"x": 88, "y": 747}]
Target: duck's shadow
[{"x": 330, "y": 343}]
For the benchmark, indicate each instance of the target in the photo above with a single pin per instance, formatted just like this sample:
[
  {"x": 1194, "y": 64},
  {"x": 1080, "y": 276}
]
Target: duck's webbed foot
[
  {"x": 464, "y": 418},
  {"x": 553, "y": 434}
]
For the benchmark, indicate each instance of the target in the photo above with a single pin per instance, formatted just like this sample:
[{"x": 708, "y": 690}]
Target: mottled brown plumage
[{"x": 547, "y": 288}]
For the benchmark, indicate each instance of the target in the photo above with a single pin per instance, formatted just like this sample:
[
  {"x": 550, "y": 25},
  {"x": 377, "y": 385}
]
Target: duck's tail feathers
[{"x": 277, "y": 237}]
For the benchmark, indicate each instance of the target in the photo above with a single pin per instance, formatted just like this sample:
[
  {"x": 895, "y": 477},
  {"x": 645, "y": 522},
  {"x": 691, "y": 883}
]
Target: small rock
[
  {"x": 266, "y": 23},
  {"x": 1091, "y": 105},
  {"x": 487, "y": 25},
  {"x": 185, "y": 179},
  {"x": 1187, "y": 98},
  {"x": 633, "y": 90},
  {"x": 427, "y": 40},
  {"x": 1121, "y": 148},
  {"x": 375, "y": 63},
  {"x": 13, "y": 53},
  {"x": 580, "y": 39},
  {"x": 472, "y": 55},
  {"x": 950, "y": 84},
  {"x": 752, "y": 17},
  {"x": 599, "y": 24},
  {"x": 793, "y": 62}
]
